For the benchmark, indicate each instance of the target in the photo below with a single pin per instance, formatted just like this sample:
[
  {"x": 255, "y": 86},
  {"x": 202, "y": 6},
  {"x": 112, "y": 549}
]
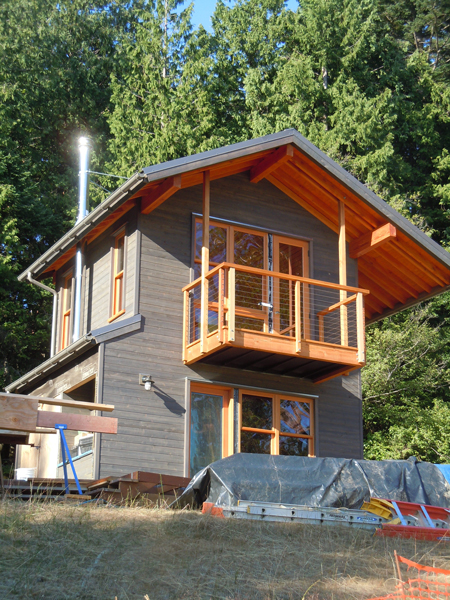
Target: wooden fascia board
[
  {"x": 371, "y": 240},
  {"x": 164, "y": 190},
  {"x": 271, "y": 162}
]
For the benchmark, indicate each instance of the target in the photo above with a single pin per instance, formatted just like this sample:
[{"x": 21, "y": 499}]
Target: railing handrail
[{"x": 265, "y": 272}]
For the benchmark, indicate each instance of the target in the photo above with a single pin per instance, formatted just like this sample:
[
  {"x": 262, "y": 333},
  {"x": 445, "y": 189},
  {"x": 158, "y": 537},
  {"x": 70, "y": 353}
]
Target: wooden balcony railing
[{"x": 275, "y": 313}]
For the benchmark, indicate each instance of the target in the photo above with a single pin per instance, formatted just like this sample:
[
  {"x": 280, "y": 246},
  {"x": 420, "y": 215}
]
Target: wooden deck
[{"x": 261, "y": 319}]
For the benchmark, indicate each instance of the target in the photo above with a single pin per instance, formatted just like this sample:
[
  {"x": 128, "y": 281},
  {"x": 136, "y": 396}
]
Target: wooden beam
[
  {"x": 332, "y": 374},
  {"x": 272, "y": 162},
  {"x": 205, "y": 262},
  {"x": 343, "y": 273},
  {"x": 77, "y": 422},
  {"x": 372, "y": 239},
  {"x": 18, "y": 413},
  {"x": 67, "y": 403},
  {"x": 157, "y": 196}
]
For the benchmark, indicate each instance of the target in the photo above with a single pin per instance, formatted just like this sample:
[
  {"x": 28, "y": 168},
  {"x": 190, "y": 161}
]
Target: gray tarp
[{"x": 334, "y": 482}]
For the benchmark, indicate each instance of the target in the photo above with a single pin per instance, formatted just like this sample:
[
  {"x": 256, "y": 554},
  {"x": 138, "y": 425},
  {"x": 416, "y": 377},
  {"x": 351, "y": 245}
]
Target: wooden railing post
[
  {"x": 298, "y": 316},
  {"x": 220, "y": 310},
  {"x": 360, "y": 328},
  {"x": 231, "y": 303},
  {"x": 185, "y": 322}
]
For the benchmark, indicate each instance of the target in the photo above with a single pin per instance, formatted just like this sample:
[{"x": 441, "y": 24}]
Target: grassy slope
[{"x": 57, "y": 552}]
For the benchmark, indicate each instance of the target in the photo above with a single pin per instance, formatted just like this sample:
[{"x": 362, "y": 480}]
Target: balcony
[{"x": 243, "y": 317}]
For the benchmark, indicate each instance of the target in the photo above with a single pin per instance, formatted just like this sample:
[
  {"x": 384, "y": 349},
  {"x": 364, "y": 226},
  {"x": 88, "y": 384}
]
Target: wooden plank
[
  {"x": 372, "y": 239},
  {"x": 157, "y": 196},
  {"x": 18, "y": 413},
  {"x": 333, "y": 307},
  {"x": 205, "y": 262},
  {"x": 343, "y": 274},
  {"x": 185, "y": 323},
  {"x": 77, "y": 422},
  {"x": 61, "y": 402},
  {"x": 272, "y": 162}
]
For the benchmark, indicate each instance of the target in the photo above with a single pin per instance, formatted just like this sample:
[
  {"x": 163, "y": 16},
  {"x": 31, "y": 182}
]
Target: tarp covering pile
[{"x": 333, "y": 482}]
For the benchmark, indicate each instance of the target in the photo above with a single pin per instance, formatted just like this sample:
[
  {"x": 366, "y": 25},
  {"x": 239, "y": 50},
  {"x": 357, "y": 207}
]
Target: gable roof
[{"x": 409, "y": 268}]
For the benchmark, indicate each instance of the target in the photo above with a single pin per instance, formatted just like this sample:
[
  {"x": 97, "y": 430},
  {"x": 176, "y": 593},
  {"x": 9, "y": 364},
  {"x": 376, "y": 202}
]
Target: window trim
[
  {"x": 227, "y": 416},
  {"x": 276, "y": 420},
  {"x": 66, "y": 333},
  {"x": 117, "y": 275}
]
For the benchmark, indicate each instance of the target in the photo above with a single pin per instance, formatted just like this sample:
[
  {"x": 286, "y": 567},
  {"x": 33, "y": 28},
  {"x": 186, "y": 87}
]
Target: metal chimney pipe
[{"x": 84, "y": 145}]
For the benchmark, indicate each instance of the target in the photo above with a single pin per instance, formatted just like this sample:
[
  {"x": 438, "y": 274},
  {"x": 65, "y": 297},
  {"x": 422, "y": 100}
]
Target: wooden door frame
[{"x": 227, "y": 394}]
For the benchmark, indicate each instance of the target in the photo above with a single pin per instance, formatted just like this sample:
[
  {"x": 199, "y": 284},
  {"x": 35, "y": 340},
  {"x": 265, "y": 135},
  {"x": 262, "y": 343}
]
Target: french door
[{"x": 263, "y": 303}]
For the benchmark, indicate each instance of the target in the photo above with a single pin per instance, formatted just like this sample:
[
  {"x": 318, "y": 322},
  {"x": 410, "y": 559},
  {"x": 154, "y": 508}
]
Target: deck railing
[{"x": 246, "y": 299}]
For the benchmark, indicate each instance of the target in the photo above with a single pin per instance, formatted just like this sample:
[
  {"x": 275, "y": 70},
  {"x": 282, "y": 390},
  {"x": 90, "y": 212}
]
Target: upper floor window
[
  {"x": 66, "y": 312},
  {"x": 118, "y": 270}
]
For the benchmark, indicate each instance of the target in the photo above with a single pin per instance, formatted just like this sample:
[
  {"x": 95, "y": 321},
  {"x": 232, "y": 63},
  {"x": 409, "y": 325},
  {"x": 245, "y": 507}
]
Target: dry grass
[{"x": 58, "y": 552}]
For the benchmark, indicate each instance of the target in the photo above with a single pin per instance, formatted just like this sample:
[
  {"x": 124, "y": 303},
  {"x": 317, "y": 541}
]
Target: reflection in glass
[
  {"x": 217, "y": 243},
  {"x": 256, "y": 412},
  {"x": 255, "y": 443},
  {"x": 292, "y": 446},
  {"x": 206, "y": 431},
  {"x": 294, "y": 417},
  {"x": 249, "y": 323},
  {"x": 290, "y": 262}
]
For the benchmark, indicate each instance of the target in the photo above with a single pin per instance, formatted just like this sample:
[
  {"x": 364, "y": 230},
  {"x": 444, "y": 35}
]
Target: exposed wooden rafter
[
  {"x": 156, "y": 197},
  {"x": 371, "y": 240},
  {"x": 272, "y": 162}
]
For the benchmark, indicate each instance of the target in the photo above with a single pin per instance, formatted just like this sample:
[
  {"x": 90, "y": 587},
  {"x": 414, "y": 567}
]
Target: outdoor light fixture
[{"x": 146, "y": 381}]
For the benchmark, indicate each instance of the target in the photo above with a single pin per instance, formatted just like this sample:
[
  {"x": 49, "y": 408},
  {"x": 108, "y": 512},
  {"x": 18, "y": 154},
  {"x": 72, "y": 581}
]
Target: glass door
[
  {"x": 291, "y": 258},
  {"x": 210, "y": 426}
]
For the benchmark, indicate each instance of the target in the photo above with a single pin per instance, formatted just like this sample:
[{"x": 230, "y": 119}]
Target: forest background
[{"x": 367, "y": 81}]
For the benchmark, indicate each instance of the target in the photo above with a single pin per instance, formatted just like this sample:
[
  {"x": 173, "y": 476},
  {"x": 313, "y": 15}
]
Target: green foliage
[
  {"x": 406, "y": 396},
  {"x": 365, "y": 80}
]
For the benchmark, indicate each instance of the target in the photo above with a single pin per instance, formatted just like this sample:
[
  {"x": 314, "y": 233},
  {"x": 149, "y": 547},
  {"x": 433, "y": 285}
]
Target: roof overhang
[{"x": 401, "y": 268}]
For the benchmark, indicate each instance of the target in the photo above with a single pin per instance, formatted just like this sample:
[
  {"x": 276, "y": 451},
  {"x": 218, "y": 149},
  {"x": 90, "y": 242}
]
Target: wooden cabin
[{"x": 222, "y": 302}]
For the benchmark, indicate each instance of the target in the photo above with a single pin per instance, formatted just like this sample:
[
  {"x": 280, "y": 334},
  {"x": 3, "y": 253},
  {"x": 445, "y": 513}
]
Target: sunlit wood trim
[
  {"x": 271, "y": 162},
  {"x": 116, "y": 316},
  {"x": 371, "y": 240},
  {"x": 158, "y": 195},
  {"x": 254, "y": 270}
]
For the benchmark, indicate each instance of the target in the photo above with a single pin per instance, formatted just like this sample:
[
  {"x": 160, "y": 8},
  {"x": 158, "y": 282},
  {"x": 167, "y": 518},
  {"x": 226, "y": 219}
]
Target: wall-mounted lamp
[{"x": 146, "y": 381}]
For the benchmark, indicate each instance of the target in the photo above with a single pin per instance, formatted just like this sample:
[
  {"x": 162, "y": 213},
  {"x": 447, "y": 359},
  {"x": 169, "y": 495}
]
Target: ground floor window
[
  {"x": 276, "y": 424},
  {"x": 265, "y": 423}
]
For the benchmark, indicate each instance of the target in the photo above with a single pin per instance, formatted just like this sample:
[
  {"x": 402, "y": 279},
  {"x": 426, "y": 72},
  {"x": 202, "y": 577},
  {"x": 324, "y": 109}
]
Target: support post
[
  {"x": 185, "y": 322},
  {"x": 360, "y": 328},
  {"x": 205, "y": 264},
  {"x": 343, "y": 273},
  {"x": 65, "y": 448},
  {"x": 231, "y": 303},
  {"x": 298, "y": 316},
  {"x": 220, "y": 310}
]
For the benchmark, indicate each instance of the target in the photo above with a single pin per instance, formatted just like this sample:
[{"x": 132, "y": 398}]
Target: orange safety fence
[{"x": 429, "y": 583}]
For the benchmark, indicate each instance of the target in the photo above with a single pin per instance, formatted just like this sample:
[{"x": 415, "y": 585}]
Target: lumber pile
[
  {"x": 154, "y": 487},
  {"x": 41, "y": 488}
]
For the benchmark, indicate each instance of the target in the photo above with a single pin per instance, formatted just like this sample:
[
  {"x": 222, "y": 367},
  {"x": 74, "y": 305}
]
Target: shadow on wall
[{"x": 170, "y": 403}]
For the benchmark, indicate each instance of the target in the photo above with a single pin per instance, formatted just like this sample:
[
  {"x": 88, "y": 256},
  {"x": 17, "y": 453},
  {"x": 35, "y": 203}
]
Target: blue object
[
  {"x": 445, "y": 470},
  {"x": 65, "y": 448}
]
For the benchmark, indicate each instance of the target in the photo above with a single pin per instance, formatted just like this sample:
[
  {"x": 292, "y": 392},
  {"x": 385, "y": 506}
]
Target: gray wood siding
[
  {"x": 151, "y": 424},
  {"x": 97, "y": 278}
]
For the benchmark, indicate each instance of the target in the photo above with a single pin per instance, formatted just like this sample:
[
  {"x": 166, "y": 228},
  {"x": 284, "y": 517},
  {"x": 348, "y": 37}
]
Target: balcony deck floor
[{"x": 268, "y": 362}]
